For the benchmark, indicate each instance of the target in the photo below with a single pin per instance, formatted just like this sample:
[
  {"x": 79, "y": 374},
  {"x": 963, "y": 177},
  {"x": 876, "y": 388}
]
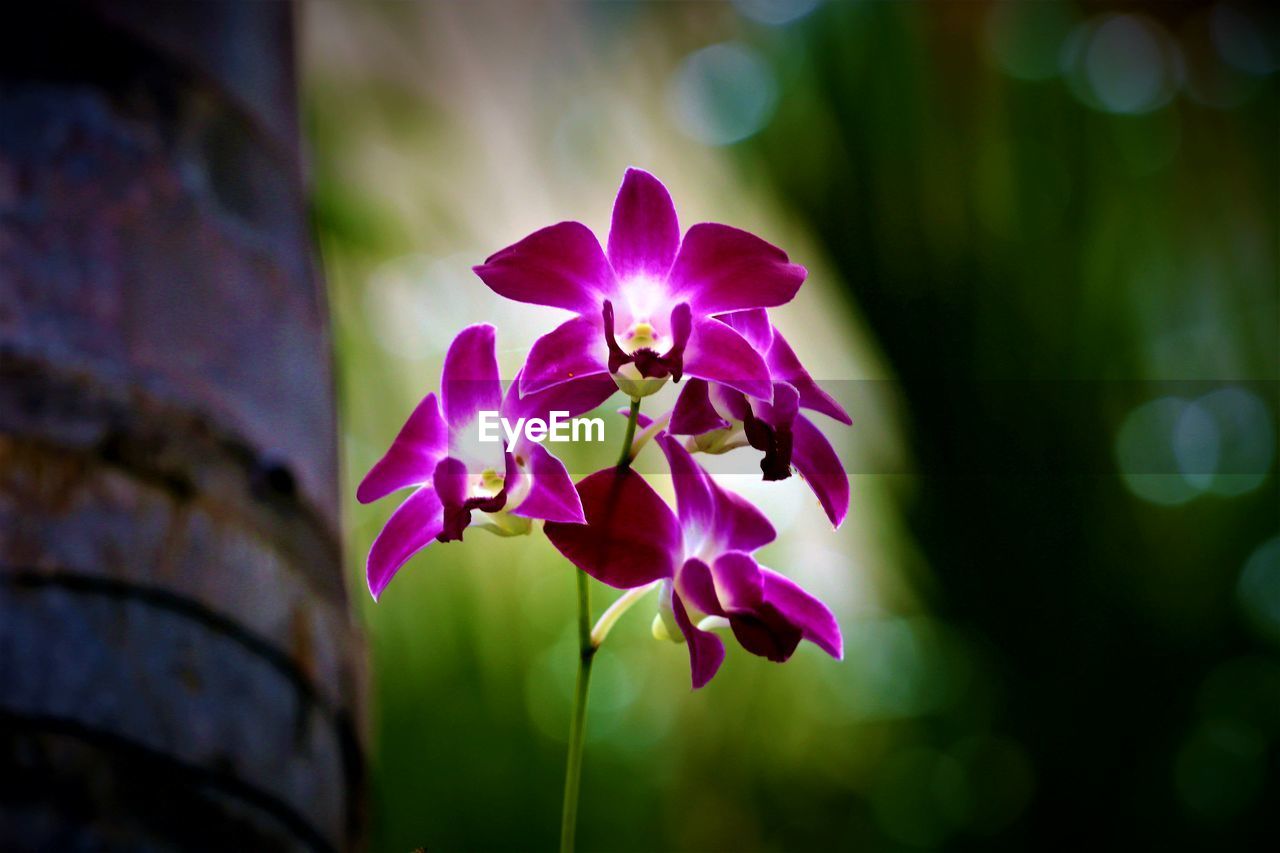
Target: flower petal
[
  {"x": 413, "y": 525},
  {"x": 695, "y": 500},
  {"x": 642, "y": 420},
  {"x": 706, "y": 650},
  {"x": 631, "y": 536},
  {"x": 764, "y": 631},
  {"x": 740, "y": 526},
  {"x": 645, "y": 234},
  {"x": 816, "y": 460},
  {"x": 578, "y": 395},
  {"x": 469, "y": 382},
  {"x": 412, "y": 457},
  {"x": 804, "y": 611},
  {"x": 450, "y": 481},
  {"x": 562, "y": 266},
  {"x": 572, "y": 350},
  {"x": 785, "y": 366},
  {"x": 753, "y": 324},
  {"x": 721, "y": 269},
  {"x": 694, "y": 414},
  {"x": 710, "y": 514},
  {"x": 551, "y": 492},
  {"x": 694, "y": 582},
  {"x": 718, "y": 353},
  {"x": 738, "y": 584}
]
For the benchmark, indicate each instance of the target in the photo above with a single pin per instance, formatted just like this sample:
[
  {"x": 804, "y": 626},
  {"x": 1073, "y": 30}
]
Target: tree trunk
[{"x": 178, "y": 667}]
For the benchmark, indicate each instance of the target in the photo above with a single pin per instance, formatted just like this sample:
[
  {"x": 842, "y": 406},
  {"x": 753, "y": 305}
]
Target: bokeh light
[
  {"x": 1259, "y": 589},
  {"x": 1242, "y": 42},
  {"x": 1122, "y": 64},
  {"x": 775, "y": 12},
  {"x": 722, "y": 94},
  {"x": 1147, "y": 449}
]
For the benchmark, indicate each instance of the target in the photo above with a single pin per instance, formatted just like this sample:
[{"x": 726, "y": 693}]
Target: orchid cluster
[{"x": 651, "y": 307}]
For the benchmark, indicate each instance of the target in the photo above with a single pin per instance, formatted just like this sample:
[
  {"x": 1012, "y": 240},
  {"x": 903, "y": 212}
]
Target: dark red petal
[{"x": 631, "y": 537}]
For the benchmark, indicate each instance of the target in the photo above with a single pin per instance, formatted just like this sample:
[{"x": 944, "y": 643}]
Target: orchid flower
[
  {"x": 721, "y": 418},
  {"x": 645, "y": 306},
  {"x": 453, "y": 475},
  {"x": 702, "y": 558}
]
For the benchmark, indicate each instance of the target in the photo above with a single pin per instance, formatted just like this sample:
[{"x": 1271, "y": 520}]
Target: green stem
[
  {"x": 587, "y": 646},
  {"x": 578, "y": 729},
  {"x": 624, "y": 461}
]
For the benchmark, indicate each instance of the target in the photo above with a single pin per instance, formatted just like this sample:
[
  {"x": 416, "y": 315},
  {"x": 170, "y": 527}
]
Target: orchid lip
[
  {"x": 775, "y": 442},
  {"x": 457, "y": 517},
  {"x": 647, "y": 360}
]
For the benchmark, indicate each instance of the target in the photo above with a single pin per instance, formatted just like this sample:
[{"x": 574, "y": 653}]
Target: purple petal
[
  {"x": 412, "y": 457},
  {"x": 816, "y": 460},
  {"x": 450, "y": 481},
  {"x": 642, "y": 420},
  {"x": 753, "y": 324},
  {"x": 631, "y": 536},
  {"x": 470, "y": 381},
  {"x": 764, "y": 631},
  {"x": 738, "y": 584},
  {"x": 782, "y": 410},
  {"x": 707, "y": 510},
  {"x": 706, "y": 650},
  {"x": 694, "y": 583},
  {"x": 720, "y": 354},
  {"x": 413, "y": 525},
  {"x": 695, "y": 500},
  {"x": 561, "y": 265},
  {"x": 694, "y": 413},
  {"x": 804, "y": 611},
  {"x": 551, "y": 492},
  {"x": 740, "y": 526},
  {"x": 576, "y": 396},
  {"x": 645, "y": 235},
  {"x": 721, "y": 269},
  {"x": 572, "y": 350},
  {"x": 785, "y": 366}
]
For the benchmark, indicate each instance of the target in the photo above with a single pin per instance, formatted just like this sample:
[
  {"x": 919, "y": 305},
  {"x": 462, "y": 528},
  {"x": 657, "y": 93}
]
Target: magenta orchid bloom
[
  {"x": 652, "y": 307},
  {"x": 702, "y": 555},
  {"x": 645, "y": 306},
  {"x": 453, "y": 475},
  {"x": 721, "y": 418}
]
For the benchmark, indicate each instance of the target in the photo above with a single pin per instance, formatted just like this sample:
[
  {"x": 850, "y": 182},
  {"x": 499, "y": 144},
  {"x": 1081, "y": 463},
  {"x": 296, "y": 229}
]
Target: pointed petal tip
[{"x": 637, "y": 173}]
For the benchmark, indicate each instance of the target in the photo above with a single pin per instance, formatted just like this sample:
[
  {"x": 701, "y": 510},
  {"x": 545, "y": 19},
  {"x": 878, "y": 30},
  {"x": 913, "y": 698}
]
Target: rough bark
[{"x": 178, "y": 667}]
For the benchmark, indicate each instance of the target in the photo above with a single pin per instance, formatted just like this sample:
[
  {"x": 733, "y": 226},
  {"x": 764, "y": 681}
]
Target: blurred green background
[{"x": 1042, "y": 249}]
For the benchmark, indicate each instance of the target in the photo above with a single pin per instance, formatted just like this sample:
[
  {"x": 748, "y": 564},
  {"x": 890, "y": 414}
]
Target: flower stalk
[
  {"x": 578, "y": 728},
  {"x": 589, "y": 641},
  {"x": 624, "y": 461}
]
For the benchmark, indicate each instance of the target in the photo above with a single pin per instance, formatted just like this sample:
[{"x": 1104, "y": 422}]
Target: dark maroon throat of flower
[
  {"x": 775, "y": 443},
  {"x": 458, "y": 516},
  {"x": 649, "y": 363}
]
